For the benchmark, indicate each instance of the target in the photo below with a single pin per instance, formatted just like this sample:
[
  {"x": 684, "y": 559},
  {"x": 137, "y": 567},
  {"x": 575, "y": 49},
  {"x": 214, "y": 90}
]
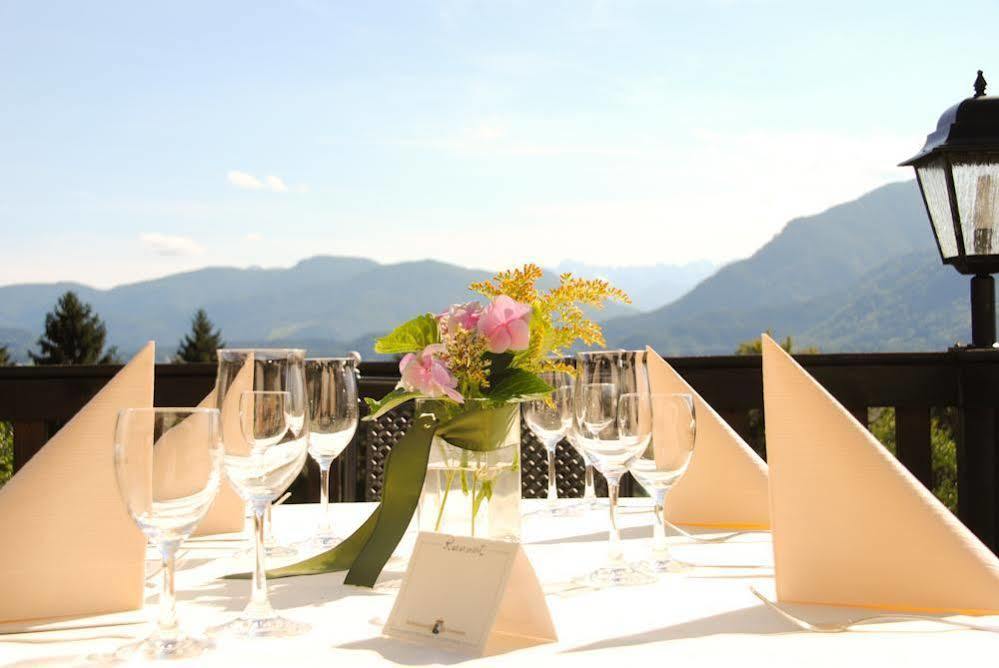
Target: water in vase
[{"x": 470, "y": 493}]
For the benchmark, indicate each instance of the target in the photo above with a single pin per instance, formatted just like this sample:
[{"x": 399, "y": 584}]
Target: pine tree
[
  {"x": 200, "y": 345},
  {"x": 5, "y": 359},
  {"x": 74, "y": 334}
]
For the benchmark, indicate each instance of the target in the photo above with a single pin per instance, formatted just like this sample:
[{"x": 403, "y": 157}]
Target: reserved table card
[{"x": 470, "y": 595}]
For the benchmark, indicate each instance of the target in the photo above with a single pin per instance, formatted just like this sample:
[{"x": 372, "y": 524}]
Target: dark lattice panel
[
  {"x": 386, "y": 431},
  {"x": 381, "y": 435},
  {"x": 569, "y": 468}
]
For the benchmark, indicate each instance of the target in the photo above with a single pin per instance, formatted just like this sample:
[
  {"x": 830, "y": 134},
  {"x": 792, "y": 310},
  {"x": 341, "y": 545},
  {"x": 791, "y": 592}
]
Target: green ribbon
[{"x": 366, "y": 551}]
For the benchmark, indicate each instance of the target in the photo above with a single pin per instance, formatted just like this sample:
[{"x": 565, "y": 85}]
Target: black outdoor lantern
[{"x": 958, "y": 175}]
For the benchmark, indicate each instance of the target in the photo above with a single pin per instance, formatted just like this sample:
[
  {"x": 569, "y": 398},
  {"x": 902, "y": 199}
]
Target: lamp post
[{"x": 958, "y": 175}]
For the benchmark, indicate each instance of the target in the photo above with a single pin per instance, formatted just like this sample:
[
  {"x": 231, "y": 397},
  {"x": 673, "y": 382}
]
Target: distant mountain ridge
[
  {"x": 862, "y": 276},
  {"x": 649, "y": 287},
  {"x": 333, "y": 303}
]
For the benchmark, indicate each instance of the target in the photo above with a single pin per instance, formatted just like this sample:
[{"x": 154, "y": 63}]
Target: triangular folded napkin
[
  {"x": 851, "y": 526},
  {"x": 226, "y": 514},
  {"x": 67, "y": 544},
  {"x": 726, "y": 483}
]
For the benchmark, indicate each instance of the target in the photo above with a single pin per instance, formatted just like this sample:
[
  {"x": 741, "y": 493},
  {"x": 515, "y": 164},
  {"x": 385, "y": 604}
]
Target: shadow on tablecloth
[
  {"x": 405, "y": 653},
  {"x": 757, "y": 620}
]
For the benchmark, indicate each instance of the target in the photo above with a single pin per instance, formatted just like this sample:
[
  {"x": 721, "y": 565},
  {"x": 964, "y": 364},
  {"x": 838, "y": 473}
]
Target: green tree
[
  {"x": 5, "y": 359},
  {"x": 755, "y": 346},
  {"x": 200, "y": 345},
  {"x": 74, "y": 334},
  {"x": 943, "y": 447}
]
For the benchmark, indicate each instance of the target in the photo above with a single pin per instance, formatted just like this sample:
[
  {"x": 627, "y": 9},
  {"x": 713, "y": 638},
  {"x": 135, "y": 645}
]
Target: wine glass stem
[
  {"x": 614, "y": 535},
  {"x": 324, "y": 496},
  {"x": 552, "y": 480},
  {"x": 659, "y": 546},
  {"x": 259, "y": 593},
  {"x": 268, "y": 527},
  {"x": 590, "y": 491},
  {"x": 167, "y": 626}
]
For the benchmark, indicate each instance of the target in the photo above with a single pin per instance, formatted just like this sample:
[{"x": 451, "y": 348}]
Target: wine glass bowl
[
  {"x": 597, "y": 407},
  {"x": 270, "y": 465},
  {"x": 168, "y": 469},
  {"x": 549, "y": 419}
]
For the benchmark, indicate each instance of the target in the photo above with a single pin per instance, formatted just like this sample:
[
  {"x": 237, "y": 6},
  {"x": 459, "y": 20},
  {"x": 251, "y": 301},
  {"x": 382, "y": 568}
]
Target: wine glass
[
  {"x": 673, "y": 426},
  {"x": 602, "y": 378},
  {"x": 331, "y": 386},
  {"x": 260, "y": 466},
  {"x": 264, "y": 369},
  {"x": 549, "y": 418},
  {"x": 168, "y": 467}
]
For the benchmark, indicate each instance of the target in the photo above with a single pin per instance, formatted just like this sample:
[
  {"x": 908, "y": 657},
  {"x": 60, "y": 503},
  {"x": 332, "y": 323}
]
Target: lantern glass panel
[
  {"x": 933, "y": 183},
  {"x": 976, "y": 185}
]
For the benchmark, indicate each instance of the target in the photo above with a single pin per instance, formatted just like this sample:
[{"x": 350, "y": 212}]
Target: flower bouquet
[{"x": 468, "y": 369}]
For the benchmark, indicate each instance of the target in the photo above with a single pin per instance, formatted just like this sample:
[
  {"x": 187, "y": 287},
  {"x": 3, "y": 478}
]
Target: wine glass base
[
  {"x": 595, "y": 504},
  {"x": 618, "y": 575},
  {"x": 574, "y": 510},
  {"x": 261, "y": 627},
  {"x": 271, "y": 552},
  {"x": 156, "y": 648},
  {"x": 663, "y": 566},
  {"x": 322, "y": 542}
]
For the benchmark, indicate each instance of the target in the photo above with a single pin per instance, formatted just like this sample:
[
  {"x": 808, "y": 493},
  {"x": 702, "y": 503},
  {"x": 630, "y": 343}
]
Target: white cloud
[
  {"x": 254, "y": 236},
  {"x": 244, "y": 180},
  {"x": 270, "y": 182},
  {"x": 276, "y": 184},
  {"x": 165, "y": 244}
]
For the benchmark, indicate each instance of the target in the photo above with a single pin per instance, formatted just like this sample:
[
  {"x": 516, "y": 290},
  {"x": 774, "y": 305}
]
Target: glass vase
[{"x": 470, "y": 492}]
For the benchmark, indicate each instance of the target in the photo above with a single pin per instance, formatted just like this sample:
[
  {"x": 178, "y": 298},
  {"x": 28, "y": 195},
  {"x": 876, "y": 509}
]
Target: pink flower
[
  {"x": 428, "y": 375},
  {"x": 506, "y": 324},
  {"x": 465, "y": 316}
]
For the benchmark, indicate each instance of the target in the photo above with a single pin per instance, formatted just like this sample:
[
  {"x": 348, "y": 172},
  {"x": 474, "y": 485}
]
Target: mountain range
[
  {"x": 861, "y": 276},
  {"x": 328, "y": 305}
]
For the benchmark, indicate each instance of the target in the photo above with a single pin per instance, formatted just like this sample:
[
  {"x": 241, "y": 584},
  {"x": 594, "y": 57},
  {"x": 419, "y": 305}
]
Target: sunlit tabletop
[{"x": 705, "y": 616}]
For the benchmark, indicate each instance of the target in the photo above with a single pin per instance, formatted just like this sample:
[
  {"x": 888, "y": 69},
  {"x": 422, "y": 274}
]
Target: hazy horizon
[{"x": 290, "y": 265}]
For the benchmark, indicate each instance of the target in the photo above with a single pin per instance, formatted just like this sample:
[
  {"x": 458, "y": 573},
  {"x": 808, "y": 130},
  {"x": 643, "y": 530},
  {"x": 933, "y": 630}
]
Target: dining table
[{"x": 703, "y": 612}]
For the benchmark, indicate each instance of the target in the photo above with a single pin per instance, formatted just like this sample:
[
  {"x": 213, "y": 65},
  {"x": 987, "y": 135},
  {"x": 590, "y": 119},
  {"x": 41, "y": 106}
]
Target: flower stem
[{"x": 447, "y": 490}]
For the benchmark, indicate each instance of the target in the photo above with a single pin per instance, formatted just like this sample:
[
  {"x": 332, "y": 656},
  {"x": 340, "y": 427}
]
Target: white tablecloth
[{"x": 706, "y": 616}]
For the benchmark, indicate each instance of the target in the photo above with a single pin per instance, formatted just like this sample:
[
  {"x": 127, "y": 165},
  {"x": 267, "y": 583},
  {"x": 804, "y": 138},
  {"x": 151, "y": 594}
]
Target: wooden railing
[{"x": 39, "y": 399}]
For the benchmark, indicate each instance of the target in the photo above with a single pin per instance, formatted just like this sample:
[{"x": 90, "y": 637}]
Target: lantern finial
[{"x": 980, "y": 84}]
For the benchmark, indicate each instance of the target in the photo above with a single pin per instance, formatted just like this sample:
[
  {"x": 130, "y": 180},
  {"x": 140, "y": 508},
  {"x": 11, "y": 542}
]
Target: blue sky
[{"x": 137, "y": 140}]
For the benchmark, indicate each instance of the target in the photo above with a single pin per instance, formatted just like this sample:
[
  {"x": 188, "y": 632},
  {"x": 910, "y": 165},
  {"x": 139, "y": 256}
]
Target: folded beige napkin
[
  {"x": 226, "y": 514},
  {"x": 67, "y": 544},
  {"x": 726, "y": 482},
  {"x": 851, "y": 526}
]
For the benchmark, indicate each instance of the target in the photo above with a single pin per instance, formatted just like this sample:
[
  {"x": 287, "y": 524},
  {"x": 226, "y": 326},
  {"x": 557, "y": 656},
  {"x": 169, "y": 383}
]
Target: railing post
[
  {"x": 977, "y": 493},
  {"x": 912, "y": 438}
]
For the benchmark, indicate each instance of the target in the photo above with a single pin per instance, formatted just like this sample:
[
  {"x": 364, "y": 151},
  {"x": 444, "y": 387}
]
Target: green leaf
[
  {"x": 394, "y": 398},
  {"x": 498, "y": 365},
  {"x": 518, "y": 385},
  {"x": 410, "y": 337}
]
